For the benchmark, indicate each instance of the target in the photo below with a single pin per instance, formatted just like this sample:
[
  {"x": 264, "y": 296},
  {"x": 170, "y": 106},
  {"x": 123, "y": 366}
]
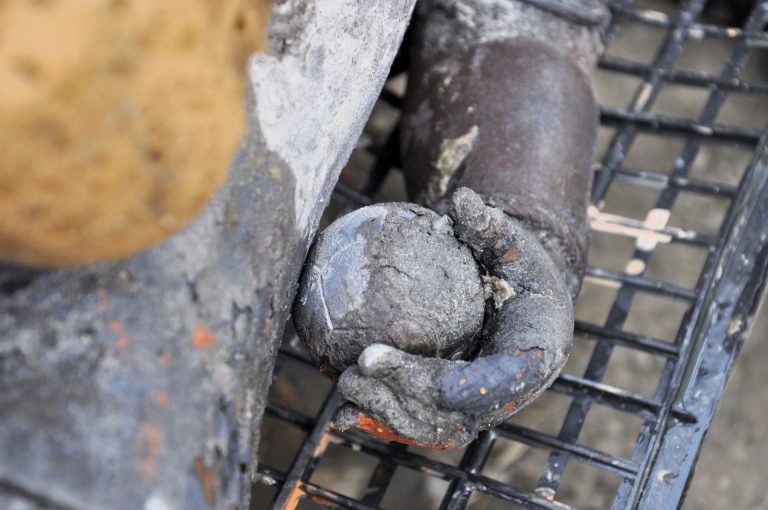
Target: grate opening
[
  {"x": 680, "y": 101},
  {"x": 604, "y": 484},
  {"x": 678, "y": 255},
  {"x": 344, "y": 471},
  {"x": 666, "y": 151},
  {"x": 627, "y": 362}
]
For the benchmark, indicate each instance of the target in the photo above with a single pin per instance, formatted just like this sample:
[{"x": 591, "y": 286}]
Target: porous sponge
[{"x": 119, "y": 120}]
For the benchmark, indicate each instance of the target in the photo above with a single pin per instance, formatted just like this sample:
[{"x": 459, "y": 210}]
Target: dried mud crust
[
  {"x": 392, "y": 299},
  {"x": 120, "y": 119}
]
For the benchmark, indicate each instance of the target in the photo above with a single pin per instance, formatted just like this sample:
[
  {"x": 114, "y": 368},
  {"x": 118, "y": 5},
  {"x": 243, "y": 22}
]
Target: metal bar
[
  {"x": 662, "y": 20},
  {"x": 306, "y": 458},
  {"x": 295, "y": 418},
  {"x": 585, "y": 454},
  {"x": 683, "y": 77},
  {"x": 642, "y": 283},
  {"x": 632, "y": 340},
  {"x": 351, "y": 196},
  {"x": 607, "y": 395},
  {"x": 650, "y": 122},
  {"x": 270, "y": 476},
  {"x": 381, "y": 478},
  {"x": 714, "y": 344},
  {"x": 459, "y": 491},
  {"x": 331, "y": 499},
  {"x": 662, "y": 181}
]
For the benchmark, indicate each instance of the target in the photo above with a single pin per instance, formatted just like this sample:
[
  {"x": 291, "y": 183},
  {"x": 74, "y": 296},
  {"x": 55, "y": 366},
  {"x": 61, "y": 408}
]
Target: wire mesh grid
[{"x": 678, "y": 257}]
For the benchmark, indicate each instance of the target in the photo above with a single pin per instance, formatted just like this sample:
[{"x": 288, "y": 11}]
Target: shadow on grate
[{"x": 678, "y": 255}]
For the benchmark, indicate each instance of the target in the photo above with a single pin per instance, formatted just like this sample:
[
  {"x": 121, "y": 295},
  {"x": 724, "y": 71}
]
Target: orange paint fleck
[
  {"x": 153, "y": 438},
  {"x": 121, "y": 342},
  {"x": 202, "y": 338},
  {"x": 511, "y": 255},
  {"x": 510, "y": 407},
  {"x": 162, "y": 399},
  {"x": 378, "y": 430},
  {"x": 103, "y": 300},
  {"x": 164, "y": 359}
]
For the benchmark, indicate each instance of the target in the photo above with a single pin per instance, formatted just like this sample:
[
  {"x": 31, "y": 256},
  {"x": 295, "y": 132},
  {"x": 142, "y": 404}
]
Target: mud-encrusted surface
[{"x": 392, "y": 274}]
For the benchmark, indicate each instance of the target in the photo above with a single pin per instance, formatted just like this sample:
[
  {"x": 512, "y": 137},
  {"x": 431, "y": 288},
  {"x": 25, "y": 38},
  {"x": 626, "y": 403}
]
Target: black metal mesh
[{"x": 623, "y": 424}]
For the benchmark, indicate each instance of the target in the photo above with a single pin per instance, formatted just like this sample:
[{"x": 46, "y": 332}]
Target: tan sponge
[{"x": 118, "y": 120}]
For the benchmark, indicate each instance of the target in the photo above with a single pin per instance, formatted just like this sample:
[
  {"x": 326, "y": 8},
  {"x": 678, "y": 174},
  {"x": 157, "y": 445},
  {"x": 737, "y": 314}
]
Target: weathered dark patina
[
  {"x": 513, "y": 83},
  {"x": 500, "y": 100},
  {"x": 392, "y": 274},
  {"x": 526, "y": 338}
]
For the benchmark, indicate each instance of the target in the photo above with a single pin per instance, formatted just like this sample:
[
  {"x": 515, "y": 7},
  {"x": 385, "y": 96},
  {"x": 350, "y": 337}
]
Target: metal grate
[{"x": 678, "y": 257}]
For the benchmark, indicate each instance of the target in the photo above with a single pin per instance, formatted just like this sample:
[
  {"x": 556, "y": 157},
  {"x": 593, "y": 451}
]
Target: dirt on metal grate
[{"x": 678, "y": 256}]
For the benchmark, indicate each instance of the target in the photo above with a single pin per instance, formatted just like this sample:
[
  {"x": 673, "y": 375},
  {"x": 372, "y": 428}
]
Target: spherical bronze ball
[{"x": 393, "y": 274}]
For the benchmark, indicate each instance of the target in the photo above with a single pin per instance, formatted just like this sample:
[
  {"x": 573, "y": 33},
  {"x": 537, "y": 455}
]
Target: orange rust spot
[
  {"x": 202, "y": 338},
  {"x": 162, "y": 399},
  {"x": 207, "y": 478},
  {"x": 103, "y": 300},
  {"x": 121, "y": 342},
  {"x": 378, "y": 430},
  {"x": 164, "y": 359},
  {"x": 294, "y": 497},
  {"x": 462, "y": 382},
  {"x": 153, "y": 438},
  {"x": 511, "y": 255},
  {"x": 510, "y": 407}
]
